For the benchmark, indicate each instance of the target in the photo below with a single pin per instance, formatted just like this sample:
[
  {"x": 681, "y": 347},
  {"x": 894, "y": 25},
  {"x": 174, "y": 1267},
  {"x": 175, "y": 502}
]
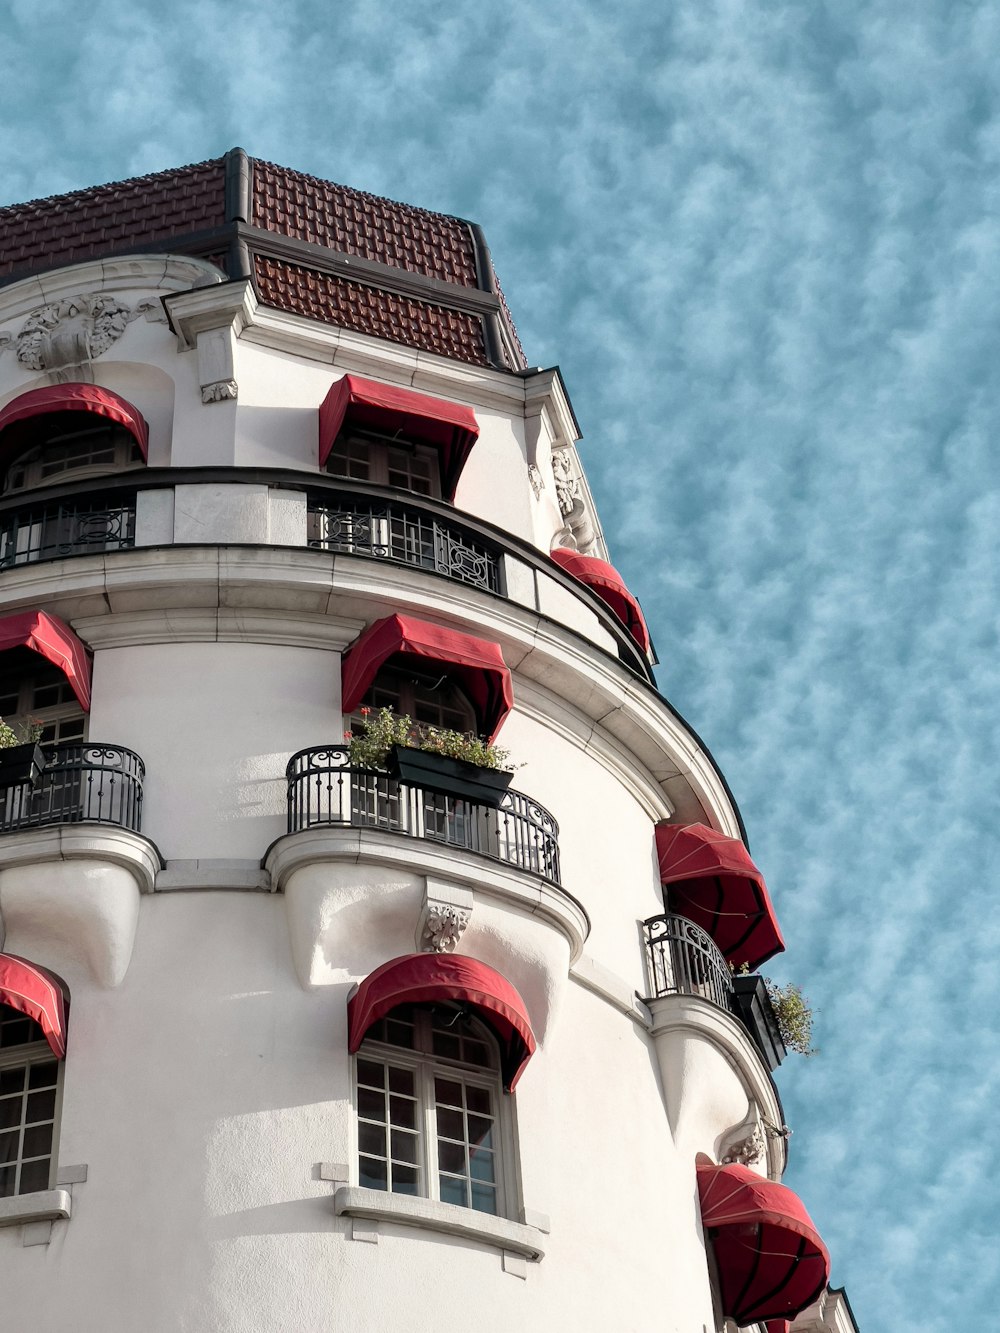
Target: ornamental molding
[
  {"x": 745, "y": 1144},
  {"x": 209, "y": 320},
  {"x": 63, "y": 338},
  {"x": 218, "y": 391},
  {"x": 444, "y": 916}
]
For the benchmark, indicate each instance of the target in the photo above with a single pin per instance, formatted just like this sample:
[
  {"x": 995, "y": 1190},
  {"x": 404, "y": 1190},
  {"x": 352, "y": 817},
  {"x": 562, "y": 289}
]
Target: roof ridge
[
  {"x": 91, "y": 190},
  {"x": 363, "y": 194}
]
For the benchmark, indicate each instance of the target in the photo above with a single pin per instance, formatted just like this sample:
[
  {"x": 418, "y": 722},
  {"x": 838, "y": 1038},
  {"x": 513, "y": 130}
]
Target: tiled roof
[
  {"x": 351, "y": 305},
  {"x": 360, "y": 224},
  {"x": 191, "y": 211},
  {"x": 69, "y": 228}
]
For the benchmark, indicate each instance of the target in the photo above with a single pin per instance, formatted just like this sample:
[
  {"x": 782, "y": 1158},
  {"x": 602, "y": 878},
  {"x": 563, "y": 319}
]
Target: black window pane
[
  {"x": 450, "y": 1124},
  {"x": 481, "y": 1165},
  {"x": 478, "y": 1100},
  {"x": 11, "y": 1081},
  {"x": 41, "y": 1106},
  {"x": 37, "y": 1141},
  {"x": 373, "y": 1174},
  {"x": 404, "y": 1147},
  {"x": 371, "y": 1074},
  {"x": 451, "y": 1156},
  {"x": 10, "y": 1111},
  {"x": 405, "y": 1180},
  {"x": 452, "y": 1190},
  {"x": 484, "y": 1198},
  {"x": 401, "y": 1081},
  {"x": 8, "y": 1145},
  {"x": 403, "y": 1112},
  {"x": 449, "y": 1092},
  {"x": 481, "y": 1131},
  {"x": 371, "y": 1139},
  {"x": 34, "y": 1176},
  {"x": 6, "y": 1181},
  {"x": 43, "y": 1075},
  {"x": 371, "y": 1105}
]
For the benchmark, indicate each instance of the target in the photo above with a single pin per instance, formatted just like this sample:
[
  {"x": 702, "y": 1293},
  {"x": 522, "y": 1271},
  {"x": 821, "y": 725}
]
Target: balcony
[
  {"x": 324, "y": 790},
  {"x": 403, "y": 533},
  {"x": 82, "y": 783},
  {"x": 70, "y": 525},
  {"x": 683, "y": 959}
]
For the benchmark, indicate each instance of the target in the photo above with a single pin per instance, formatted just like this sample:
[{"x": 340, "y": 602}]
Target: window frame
[
  {"x": 23, "y": 1056},
  {"x": 126, "y": 449},
  {"x": 26, "y": 712},
  {"x": 377, "y": 447},
  {"x": 427, "y": 1066}
]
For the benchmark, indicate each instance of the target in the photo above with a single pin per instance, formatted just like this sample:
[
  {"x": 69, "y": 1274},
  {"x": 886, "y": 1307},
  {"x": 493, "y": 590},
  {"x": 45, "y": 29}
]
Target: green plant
[
  {"x": 794, "y": 1015},
  {"x": 22, "y": 733},
  {"x": 792, "y": 1012},
  {"x": 381, "y": 730}
]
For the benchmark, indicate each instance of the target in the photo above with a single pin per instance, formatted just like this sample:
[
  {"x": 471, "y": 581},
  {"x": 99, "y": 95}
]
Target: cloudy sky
[{"x": 762, "y": 240}]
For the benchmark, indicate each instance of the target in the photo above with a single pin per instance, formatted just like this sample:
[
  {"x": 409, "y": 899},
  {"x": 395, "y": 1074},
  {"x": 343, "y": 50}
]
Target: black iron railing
[
  {"x": 324, "y": 790},
  {"x": 81, "y": 783},
  {"x": 387, "y": 530},
  {"x": 79, "y": 525},
  {"x": 683, "y": 959}
]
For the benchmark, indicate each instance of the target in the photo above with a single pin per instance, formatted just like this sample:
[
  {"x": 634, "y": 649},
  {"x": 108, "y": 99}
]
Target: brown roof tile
[
  {"x": 414, "y": 239},
  {"x": 69, "y": 228},
  {"x": 352, "y": 305}
]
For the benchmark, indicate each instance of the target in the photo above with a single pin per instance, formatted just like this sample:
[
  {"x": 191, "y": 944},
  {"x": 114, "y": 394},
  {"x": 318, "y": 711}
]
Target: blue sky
[{"x": 763, "y": 242}]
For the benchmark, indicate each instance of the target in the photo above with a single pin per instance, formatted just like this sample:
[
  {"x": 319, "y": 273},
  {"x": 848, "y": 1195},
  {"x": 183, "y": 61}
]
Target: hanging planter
[
  {"x": 20, "y": 764},
  {"x": 451, "y": 777}
]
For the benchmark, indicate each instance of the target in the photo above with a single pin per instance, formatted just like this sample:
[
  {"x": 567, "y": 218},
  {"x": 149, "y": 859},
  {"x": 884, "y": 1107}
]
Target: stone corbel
[
  {"x": 745, "y": 1143},
  {"x": 444, "y": 915},
  {"x": 209, "y": 320}
]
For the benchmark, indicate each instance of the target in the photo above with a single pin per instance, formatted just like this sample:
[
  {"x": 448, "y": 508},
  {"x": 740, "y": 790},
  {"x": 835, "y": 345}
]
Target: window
[
  {"x": 431, "y": 1110},
  {"x": 387, "y": 461},
  {"x": 58, "y": 452},
  {"x": 42, "y": 695},
  {"x": 426, "y": 697},
  {"x": 29, "y": 1098}
]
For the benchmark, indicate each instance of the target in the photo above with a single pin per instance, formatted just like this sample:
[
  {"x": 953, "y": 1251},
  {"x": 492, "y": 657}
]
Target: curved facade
[{"x": 512, "y": 1126}]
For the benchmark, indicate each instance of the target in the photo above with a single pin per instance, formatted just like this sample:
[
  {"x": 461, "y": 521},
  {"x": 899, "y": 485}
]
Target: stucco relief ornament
[
  {"x": 747, "y": 1151},
  {"x": 64, "y": 337},
  {"x": 443, "y": 927},
  {"x": 537, "y": 483}
]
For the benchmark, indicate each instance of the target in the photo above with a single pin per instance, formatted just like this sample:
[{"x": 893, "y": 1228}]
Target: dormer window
[
  {"x": 62, "y": 452},
  {"x": 68, "y": 430},
  {"x": 386, "y": 461},
  {"x": 395, "y": 437}
]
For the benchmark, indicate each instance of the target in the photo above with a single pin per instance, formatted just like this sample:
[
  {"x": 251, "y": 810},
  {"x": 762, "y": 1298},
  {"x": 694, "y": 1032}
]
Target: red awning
[
  {"x": 15, "y": 418},
  {"x": 605, "y": 581},
  {"x": 772, "y": 1263},
  {"x": 712, "y": 881},
  {"x": 53, "y": 639},
  {"x": 477, "y": 665},
  {"x": 38, "y": 993},
  {"x": 422, "y": 978},
  {"x": 448, "y": 427}
]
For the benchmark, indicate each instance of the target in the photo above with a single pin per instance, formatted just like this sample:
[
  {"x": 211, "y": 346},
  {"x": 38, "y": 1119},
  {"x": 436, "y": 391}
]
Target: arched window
[
  {"x": 68, "y": 431},
  {"x": 386, "y": 460},
  {"x": 427, "y": 696},
  {"x": 33, "y": 694},
  {"x": 431, "y": 1111}
]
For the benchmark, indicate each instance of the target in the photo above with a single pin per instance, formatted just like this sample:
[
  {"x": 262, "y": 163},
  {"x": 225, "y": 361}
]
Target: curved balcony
[
  {"x": 82, "y": 783},
  {"x": 683, "y": 959},
  {"x": 392, "y": 530},
  {"x": 325, "y": 790},
  {"x": 31, "y": 531}
]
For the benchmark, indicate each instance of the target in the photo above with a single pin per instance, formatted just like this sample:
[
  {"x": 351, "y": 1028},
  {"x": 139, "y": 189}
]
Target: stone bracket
[
  {"x": 209, "y": 320},
  {"x": 444, "y": 915}
]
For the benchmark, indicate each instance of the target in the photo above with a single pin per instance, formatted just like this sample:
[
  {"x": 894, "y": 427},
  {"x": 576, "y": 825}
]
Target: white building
[{"x": 271, "y": 453}]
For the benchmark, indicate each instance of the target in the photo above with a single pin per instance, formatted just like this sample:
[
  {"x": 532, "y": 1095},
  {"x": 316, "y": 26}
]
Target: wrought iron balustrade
[
  {"x": 73, "y": 525},
  {"x": 325, "y": 790},
  {"x": 683, "y": 959},
  {"x": 82, "y": 782},
  {"x": 387, "y": 530}
]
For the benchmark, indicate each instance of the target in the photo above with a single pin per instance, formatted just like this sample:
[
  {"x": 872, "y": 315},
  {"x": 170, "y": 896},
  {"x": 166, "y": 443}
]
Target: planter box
[
  {"x": 752, "y": 1005},
  {"x": 20, "y": 764},
  {"x": 451, "y": 777}
]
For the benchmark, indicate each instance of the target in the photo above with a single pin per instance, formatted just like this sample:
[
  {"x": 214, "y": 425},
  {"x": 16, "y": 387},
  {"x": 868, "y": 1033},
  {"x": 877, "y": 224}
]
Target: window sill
[
  {"x": 45, "y": 1206},
  {"x": 404, "y": 1210}
]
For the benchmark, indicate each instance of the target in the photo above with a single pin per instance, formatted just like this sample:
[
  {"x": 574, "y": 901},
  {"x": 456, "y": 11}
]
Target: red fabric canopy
[
  {"x": 772, "y": 1263},
  {"x": 15, "y": 418},
  {"x": 53, "y": 639},
  {"x": 38, "y": 993},
  {"x": 713, "y": 882},
  {"x": 422, "y": 978},
  {"x": 476, "y": 664},
  {"x": 448, "y": 427},
  {"x": 609, "y": 585}
]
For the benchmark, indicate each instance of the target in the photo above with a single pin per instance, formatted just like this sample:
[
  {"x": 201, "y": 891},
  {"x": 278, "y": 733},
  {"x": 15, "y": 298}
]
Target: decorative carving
[
  {"x": 745, "y": 1143},
  {"x": 153, "y": 312},
  {"x": 571, "y": 503},
  {"x": 444, "y": 924},
  {"x": 218, "y": 391},
  {"x": 64, "y": 337},
  {"x": 537, "y": 483}
]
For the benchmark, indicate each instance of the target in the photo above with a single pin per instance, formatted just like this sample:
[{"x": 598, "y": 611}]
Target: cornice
[{"x": 172, "y": 273}]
